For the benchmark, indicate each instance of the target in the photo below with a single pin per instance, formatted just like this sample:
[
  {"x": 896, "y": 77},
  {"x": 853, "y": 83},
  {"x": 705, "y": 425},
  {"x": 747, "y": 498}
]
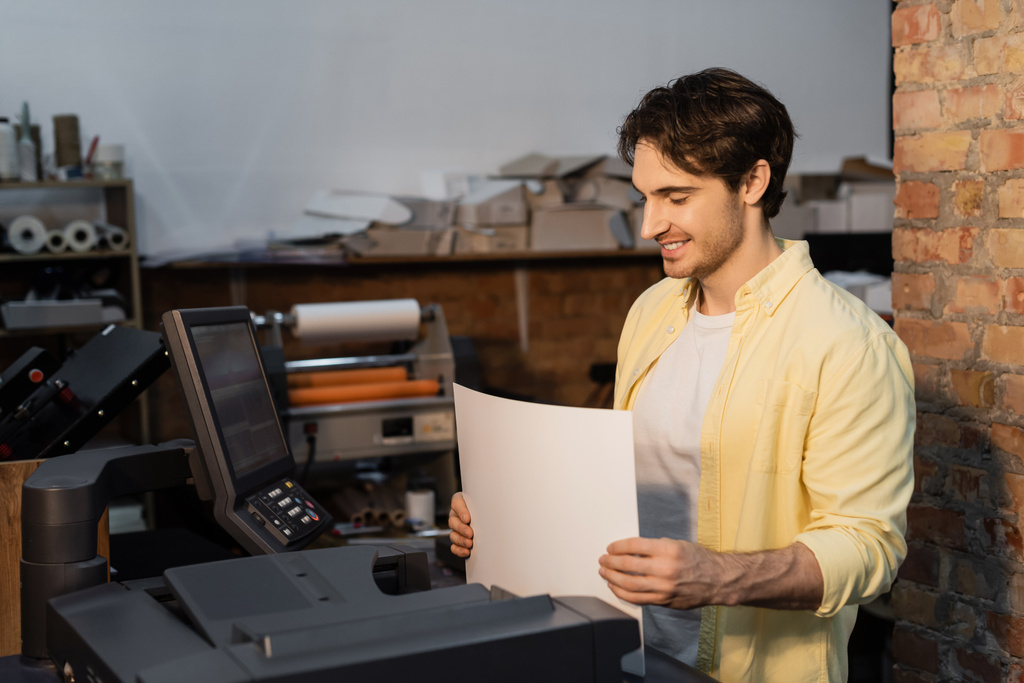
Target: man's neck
[{"x": 718, "y": 291}]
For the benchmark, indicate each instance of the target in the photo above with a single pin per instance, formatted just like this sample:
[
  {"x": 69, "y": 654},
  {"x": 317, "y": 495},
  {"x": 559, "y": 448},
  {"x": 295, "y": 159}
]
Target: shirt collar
[
  {"x": 770, "y": 286},
  {"x": 776, "y": 281}
]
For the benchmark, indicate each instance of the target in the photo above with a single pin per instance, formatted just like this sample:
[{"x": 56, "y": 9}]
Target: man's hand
[
  {"x": 683, "y": 575},
  {"x": 458, "y": 522}
]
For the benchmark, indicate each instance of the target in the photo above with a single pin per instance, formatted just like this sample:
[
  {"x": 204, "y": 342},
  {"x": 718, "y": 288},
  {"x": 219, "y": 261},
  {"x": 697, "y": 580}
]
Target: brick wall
[{"x": 958, "y": 292}]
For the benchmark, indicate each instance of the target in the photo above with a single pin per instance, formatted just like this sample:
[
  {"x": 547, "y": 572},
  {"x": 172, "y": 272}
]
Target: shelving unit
[{"x": 56, "y": 203}]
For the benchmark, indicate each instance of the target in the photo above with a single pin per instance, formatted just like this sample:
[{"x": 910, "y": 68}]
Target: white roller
[
  {"x": 419, "y": 506},
  {"x": 388, "y": 319},
  {"x": 26, "y": 235},
  {"x": 111, "y": 236},
  {"x": 80, "y": 235},
  {"x": 56, "y": 242}
]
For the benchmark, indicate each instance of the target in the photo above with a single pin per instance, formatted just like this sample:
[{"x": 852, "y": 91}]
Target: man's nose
[{"x": 654, "y": 222}]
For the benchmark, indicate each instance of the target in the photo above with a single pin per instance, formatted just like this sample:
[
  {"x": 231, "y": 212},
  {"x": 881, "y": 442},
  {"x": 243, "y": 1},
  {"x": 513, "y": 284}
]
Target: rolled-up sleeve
[{"x": 858, "y": 472}]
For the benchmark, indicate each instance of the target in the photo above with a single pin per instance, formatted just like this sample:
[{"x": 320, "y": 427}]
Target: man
[{"x": 773, "y": 412}]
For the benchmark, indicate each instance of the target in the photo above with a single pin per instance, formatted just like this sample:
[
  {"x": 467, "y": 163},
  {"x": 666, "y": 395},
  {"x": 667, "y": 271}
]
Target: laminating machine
[{"x": 370, "y": 405}]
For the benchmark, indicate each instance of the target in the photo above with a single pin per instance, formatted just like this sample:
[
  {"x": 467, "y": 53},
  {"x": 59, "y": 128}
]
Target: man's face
[{"x": 697, "y": 220}]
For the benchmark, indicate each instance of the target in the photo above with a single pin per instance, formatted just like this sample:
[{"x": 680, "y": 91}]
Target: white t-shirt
[{"x": 667, "y": 419}]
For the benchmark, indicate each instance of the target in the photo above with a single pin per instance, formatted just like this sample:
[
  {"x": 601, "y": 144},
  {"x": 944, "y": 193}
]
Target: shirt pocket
[{"x": 784, "y": 410}]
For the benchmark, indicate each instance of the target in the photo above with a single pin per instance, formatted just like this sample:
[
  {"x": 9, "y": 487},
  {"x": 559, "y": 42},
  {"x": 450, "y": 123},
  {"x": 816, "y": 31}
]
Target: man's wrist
[{"x": 788, "y": 578}]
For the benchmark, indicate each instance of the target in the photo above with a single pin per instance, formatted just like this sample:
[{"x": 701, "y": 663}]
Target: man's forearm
[{"x": 788, "y": 578}]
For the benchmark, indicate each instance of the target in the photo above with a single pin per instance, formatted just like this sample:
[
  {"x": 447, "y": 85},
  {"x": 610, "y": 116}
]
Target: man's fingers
[
  {"x": 456, "y": 524},
  {"x": 460, "y": 509},
  {"x": 635, "y": 598},
  {"x": 626, "y": 563}
]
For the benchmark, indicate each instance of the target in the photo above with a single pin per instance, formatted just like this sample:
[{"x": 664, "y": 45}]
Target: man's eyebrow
[{"x": 670, "y": 189}]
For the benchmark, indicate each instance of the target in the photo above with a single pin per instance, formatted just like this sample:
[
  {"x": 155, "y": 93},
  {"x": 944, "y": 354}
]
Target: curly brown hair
[{"x": 715, "y": 122}]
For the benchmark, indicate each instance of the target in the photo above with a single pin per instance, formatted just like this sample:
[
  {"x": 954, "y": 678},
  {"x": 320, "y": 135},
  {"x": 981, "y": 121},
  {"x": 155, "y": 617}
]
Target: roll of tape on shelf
[
  {"x": 111, "y": 236},
  {"x": 419, "y": 506},
  {"x": 56, "y": 242},
  {"x": 80, "y": 235},
  {"x": 26, "y": 235},
  {"x": 384, "y": 320}
]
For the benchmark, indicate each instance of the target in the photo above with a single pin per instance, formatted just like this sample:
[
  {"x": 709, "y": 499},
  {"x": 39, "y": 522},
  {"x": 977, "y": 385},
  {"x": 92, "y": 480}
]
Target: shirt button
[
  {"x": 768, "y": 304},
  {"x": 670, "y": 329},
  {"x": 636, "y": 372}
]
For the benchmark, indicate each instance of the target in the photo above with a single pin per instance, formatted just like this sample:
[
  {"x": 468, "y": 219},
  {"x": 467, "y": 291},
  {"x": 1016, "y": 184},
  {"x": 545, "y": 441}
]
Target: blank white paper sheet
[{"x": 548, "y": 488}]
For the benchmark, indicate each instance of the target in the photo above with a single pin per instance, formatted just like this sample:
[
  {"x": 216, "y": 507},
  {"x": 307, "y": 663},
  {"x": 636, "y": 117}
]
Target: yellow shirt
[{"x": 808, "y": 437}]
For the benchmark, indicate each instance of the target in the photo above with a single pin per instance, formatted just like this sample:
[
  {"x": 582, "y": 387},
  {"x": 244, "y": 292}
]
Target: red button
[{"x": 35, "y": 375}]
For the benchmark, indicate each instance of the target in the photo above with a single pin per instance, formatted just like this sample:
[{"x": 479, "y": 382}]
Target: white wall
[{"x": 235, "y": 111}]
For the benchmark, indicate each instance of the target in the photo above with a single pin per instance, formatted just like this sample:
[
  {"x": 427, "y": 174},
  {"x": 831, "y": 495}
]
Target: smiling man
[{"x": 773, "y": 412}]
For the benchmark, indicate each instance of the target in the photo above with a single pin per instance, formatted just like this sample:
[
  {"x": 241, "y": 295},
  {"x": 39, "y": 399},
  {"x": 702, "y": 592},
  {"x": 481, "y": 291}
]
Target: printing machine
[{"x": 318, "y": 615}]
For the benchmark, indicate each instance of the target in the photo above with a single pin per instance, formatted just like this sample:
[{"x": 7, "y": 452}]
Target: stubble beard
[{"x": 715, "y": 250}]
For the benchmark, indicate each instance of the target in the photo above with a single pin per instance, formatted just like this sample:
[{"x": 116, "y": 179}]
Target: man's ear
[{"x": 756, "y": 182}]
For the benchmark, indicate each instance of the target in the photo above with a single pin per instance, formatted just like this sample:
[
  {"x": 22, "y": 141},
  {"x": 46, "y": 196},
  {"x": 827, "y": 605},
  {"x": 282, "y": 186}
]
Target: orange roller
[
  {"x": 330, "y": 378},
  {"x": 379, "y": 391}
]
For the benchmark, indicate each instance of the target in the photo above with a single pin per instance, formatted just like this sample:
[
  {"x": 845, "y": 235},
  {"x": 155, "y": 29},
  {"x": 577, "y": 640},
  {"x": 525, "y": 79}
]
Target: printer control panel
[{"x": 287, "y": 511}]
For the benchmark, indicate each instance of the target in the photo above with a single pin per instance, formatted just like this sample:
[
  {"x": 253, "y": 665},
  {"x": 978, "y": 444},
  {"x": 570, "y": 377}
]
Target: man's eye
[{"x": 678, "y": 200}]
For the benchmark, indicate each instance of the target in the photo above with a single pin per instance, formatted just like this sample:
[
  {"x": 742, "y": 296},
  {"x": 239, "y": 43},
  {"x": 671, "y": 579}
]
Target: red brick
[
  {"x": 915, "y": 604},
  {"x": 967, "y": 197},
  {"x": 932, "y": 65},
  {"x": 921, "y": 565},
  {"x": 999, "y": 54},
  {"x": 971, "y": 581},
  {"x": 1004, "y": 539},
  {"x": 936, "y": 430},
  {"x": 1013, "y": 108},
  {"x": 949, "y": 340},
  {"x": 1013, "y": 393},
  {"x": 916, "y": 110},
  {"x": 977, "y": 295},
  {"x": 917, "y": 200},
  {"x": 1008, "y": 438},
  {"x": 928, "y": 383},
  {"x": 944, "y": 528},
  {"x": 912, "y": 291},
  {"x": 973, "y": 436},
  {"x": 973, "y": 389},
  {"x": 945, "y": 151},
  {"x": 1006, "y": 245},
  {"x": 918, "y": 24},
  {"x": 965, "y": 483},
  {"x": 922, "y": 245},
  {"x": 974, "y": 16},
  {"x": 1011, "y": 199},
  {"x": 978, "y": 102},
  {"x": 1001, "y": 150},
  {"x": 1015, "y": 488},
  {"x": 1003, "y": 344},
  {"x": 978, "y": 667},
  {"x": 1008, "y": 631},
  {"x": 926, "y": 475},
  {"x": 915, "y": 650}
]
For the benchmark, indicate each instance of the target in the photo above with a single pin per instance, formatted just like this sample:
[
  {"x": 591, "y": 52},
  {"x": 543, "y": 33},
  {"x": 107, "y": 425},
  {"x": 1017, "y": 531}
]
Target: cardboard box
[
  {"x": 385, "y": 241},
  {"x": 495, "y": 202},
  {"x": 605, "y": 191},
  {"x": 871, "y": 205},
  {"x": 543, "y": 166},
  {"x": 491, "y": 240},
  {"x": 542, "y": 194},
  {"x": 580, "y": 227}
]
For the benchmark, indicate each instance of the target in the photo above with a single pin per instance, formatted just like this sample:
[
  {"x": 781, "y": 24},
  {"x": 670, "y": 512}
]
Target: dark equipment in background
[{"x": 47, "y": 411}]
